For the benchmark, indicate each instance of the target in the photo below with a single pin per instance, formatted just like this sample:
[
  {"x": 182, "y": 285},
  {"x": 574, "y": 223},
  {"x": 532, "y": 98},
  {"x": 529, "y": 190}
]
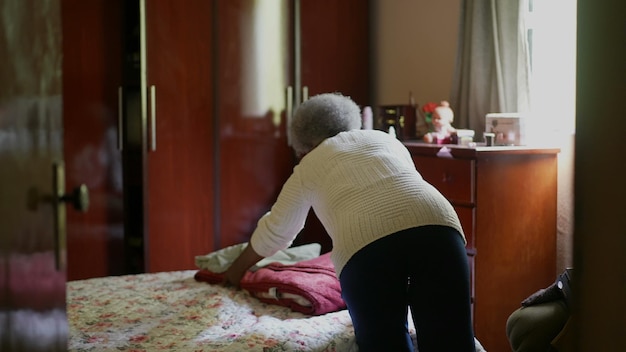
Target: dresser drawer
[{"x": 454, "y": 178}]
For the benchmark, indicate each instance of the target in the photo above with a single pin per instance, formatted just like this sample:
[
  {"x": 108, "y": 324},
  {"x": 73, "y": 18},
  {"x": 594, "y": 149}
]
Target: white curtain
[{"x": 493, "y": 67}]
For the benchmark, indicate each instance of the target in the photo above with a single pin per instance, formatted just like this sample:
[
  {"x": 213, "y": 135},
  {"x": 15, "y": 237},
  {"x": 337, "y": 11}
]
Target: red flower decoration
[
  {"x": 429, "y": 107},
  {"x": 428, "y": 110}
]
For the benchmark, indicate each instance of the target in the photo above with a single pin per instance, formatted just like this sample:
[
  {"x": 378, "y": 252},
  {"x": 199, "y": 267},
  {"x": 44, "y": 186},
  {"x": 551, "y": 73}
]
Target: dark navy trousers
[{"x": 424, "y": 269}]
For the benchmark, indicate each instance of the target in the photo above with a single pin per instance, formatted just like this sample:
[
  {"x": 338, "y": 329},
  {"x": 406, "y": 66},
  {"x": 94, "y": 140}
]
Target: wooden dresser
[{"x": 506, "y": 198}]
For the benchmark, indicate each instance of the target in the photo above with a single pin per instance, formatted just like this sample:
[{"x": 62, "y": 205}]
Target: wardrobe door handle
[
  {"x": 143, "y": 53},
  {"x": 305, "y": 93},
  {"x": 289, "y": 112},
  {"x": 120, "y": 118},
  {"x": 153, "y": 141}
]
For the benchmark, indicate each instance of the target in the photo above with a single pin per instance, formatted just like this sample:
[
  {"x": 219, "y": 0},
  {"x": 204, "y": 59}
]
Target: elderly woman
[{"x": 397, "y": 242}]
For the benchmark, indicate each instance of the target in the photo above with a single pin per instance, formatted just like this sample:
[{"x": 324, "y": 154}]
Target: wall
[
  {"x": 415, "y": 45},
  {"x": 414, "y": 50}
]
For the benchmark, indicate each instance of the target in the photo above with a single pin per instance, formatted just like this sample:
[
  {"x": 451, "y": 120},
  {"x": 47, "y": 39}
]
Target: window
[{"x": 551, "y": 30}]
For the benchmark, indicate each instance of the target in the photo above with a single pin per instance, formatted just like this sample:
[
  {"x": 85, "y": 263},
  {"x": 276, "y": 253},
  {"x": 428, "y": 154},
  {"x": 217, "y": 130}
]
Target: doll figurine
[{"x": 440, "y": 125}]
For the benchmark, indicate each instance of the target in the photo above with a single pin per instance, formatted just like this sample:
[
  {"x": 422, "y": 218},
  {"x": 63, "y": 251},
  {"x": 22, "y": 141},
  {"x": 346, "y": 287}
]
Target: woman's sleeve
[{"x": 277, "y": 229}]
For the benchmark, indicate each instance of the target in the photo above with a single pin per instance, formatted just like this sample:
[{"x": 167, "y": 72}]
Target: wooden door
[
  {"x": 334, "y": 57},
  {"x": 335, "y": 48},
  {"x": 178, "y": 104},
  {"x": 32, "y": 253},
  {"x": 253, "y": 72},
  {"x": 92, "y": 76}
]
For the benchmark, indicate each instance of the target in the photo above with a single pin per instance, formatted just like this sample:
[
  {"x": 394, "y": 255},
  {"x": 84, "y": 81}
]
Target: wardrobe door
[
  {"x": 177, "y": 104},
  {"x": 335, "y": 53},
  {"x": 91, "y": 77},
  {"x": 254, "y": 70},
  {"x": 334, "y": 58}
]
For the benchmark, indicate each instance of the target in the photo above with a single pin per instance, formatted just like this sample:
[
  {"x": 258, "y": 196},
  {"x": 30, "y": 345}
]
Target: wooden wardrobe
[{"x": 197, "y": 96}]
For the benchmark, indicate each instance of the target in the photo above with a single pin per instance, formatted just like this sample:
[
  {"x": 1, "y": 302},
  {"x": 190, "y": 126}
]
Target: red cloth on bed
[{"x": 313, "y": 279}]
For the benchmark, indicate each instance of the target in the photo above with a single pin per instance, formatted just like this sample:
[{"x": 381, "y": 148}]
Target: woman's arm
[{"x": 236, "y": 271}]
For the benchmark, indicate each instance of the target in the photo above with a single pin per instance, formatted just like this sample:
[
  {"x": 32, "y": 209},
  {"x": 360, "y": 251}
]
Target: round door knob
[{"x": 79, "y": 198}]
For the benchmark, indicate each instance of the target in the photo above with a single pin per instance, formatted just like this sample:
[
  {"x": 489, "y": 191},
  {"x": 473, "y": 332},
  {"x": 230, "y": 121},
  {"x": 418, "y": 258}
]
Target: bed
[{"x": 174, "y": 311}]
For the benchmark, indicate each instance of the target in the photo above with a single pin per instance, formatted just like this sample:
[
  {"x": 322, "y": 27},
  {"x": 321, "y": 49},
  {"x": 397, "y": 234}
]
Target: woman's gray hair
[{"x": 322, "y": 116}]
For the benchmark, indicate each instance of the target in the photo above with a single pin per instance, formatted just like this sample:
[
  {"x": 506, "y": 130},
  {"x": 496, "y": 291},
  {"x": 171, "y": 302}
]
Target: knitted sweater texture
[{"x": 362, "y": 185}]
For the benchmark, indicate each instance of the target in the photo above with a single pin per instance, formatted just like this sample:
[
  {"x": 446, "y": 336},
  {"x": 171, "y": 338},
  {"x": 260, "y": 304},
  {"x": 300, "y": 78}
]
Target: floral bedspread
[{"x": 171, "y": 311}]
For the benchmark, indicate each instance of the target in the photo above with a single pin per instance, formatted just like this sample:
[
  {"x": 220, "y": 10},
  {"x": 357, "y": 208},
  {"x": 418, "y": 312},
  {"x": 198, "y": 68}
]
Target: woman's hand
[
  {"x": 233, "y": 276},
  {"x": 238, "y": 269}
]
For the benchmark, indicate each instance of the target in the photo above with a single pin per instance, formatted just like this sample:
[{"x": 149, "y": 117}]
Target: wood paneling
[
  {"x": 219, "y": 71},
  {"x": 335, "y": 57},
  {"x": 180, "y": 162},
  {"x": 91, "y": 76},
  {"x": 254, "y": 68},
  {"x": 515, "y": 238},
  {"x": 255, "y": 158},
  {"x": 335, "y": 48}
]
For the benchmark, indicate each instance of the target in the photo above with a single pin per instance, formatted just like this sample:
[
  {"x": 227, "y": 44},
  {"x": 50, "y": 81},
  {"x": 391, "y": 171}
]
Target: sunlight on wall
[
  {"x": 553, "y": 81},
  {"x": 264, "y": 70}
]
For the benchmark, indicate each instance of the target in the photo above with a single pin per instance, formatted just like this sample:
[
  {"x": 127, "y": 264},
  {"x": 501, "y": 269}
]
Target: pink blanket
[{"x": 313, "y": 279}]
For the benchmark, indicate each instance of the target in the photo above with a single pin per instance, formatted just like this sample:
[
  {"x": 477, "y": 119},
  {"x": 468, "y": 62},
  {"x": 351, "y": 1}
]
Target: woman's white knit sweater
[{"x": 362, "y": 185}]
